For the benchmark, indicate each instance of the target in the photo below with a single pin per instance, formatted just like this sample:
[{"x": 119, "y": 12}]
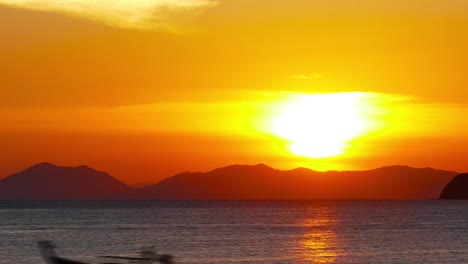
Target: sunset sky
[{"x": 146, "y": 89}]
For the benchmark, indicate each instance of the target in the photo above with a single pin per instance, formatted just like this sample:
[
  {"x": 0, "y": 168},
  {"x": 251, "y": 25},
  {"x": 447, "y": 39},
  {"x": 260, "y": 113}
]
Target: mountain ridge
[
  {"x": 238, "y": 181},
  {"x": 263, "y": 182}
]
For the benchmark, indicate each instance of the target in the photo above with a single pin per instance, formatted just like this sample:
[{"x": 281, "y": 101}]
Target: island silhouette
[{"x": 46, "y": 181}]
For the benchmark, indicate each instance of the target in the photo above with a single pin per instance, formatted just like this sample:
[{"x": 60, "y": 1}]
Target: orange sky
[{"x": 150, "y": 88}]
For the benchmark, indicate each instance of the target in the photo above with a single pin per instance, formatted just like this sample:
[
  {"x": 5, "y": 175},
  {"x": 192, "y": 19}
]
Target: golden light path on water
[
  {"x": 323, "y": 125},
  {"x": 320, "y": 242}
]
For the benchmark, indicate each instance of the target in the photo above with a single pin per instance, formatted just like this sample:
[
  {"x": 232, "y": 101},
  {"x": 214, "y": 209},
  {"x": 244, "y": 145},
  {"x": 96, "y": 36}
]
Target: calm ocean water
[{"x": 241, "y": 232}]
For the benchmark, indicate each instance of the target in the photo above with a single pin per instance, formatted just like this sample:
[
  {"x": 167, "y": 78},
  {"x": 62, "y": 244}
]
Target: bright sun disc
[{"x": 321, "y": 125}]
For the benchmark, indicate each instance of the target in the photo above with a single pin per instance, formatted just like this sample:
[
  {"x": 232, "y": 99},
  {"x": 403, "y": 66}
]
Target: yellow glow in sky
[{"x": 322, "y": 125}]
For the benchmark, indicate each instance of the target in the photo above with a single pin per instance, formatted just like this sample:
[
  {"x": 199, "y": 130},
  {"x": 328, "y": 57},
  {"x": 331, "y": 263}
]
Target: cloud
[
  {"x": 142, "y": 14},
  {"x": 313, "y": 76}
]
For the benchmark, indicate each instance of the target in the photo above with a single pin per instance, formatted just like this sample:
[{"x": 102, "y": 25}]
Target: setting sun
[{"x": 321, "y": 125}]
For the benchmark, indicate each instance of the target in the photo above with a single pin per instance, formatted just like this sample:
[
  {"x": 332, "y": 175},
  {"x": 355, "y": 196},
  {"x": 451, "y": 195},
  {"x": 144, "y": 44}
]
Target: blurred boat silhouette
[
  {"x": 148, "y": 255},
  {"x": 50, "y": 256}
]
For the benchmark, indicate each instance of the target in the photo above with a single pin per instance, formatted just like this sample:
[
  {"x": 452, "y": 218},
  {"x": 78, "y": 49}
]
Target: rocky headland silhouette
[{"x": 457, "y": 188}]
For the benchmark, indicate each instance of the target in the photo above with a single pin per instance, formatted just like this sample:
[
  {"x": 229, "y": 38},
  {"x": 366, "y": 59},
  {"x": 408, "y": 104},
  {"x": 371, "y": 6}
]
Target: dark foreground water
[{"x": 241, "y": 232}]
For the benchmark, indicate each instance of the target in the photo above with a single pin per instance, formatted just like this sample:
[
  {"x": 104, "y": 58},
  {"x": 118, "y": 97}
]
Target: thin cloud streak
[{"x": 140, "y": 14}]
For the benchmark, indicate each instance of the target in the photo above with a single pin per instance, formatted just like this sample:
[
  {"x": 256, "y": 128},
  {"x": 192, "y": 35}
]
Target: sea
[{"x": 226, "y": 232}]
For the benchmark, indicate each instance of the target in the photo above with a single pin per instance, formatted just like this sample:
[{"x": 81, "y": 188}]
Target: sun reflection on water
[{"x": 320, "y": 241}]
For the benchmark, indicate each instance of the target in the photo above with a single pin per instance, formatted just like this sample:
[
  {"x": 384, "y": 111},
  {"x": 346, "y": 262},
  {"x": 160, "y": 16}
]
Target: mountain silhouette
[
  {"x": 263, "y": 182},
  {"x": 457, "y": 188},
  {"x": 48, "y": 181}
]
